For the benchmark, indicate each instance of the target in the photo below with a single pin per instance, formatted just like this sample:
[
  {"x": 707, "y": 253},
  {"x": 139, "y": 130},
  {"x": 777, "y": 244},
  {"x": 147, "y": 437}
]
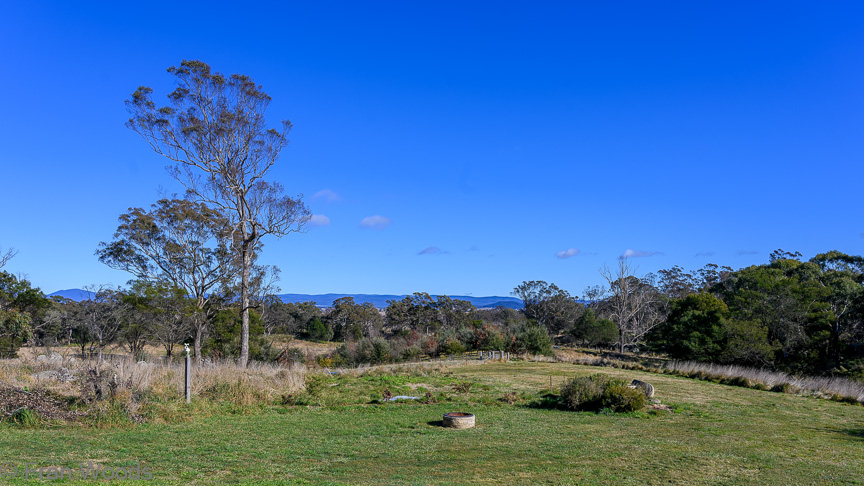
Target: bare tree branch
[{"x": 5, "y": 257}]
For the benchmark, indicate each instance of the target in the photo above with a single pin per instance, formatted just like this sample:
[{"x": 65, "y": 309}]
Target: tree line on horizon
[{"x": 788, "y": 314}]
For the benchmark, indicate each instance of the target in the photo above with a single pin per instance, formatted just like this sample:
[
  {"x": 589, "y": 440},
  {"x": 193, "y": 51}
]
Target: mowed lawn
[{"x": 716, "y": 435}]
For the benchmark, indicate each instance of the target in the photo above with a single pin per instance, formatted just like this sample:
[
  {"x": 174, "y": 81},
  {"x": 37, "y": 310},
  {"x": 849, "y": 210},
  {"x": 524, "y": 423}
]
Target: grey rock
[
  {"x": 646, "y": 388},
  {"x": 62, "y": 374},
  {"x": 41, "y": 358},
  {"x": 45, "y": 375},
  {"x": 65, "y": 375},
  {"x": 55, "y": 357}
]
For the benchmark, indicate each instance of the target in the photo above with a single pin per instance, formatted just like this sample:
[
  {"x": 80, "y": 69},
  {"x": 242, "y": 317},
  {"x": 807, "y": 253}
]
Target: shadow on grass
[
  {"x": 436, "y": 423},
  {"x": 547, "y": 401},
  {"x": 853, "y": 433}
]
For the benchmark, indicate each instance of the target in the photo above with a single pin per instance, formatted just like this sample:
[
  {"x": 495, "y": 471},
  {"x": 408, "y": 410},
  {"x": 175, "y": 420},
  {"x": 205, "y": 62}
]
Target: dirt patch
[{"x": 659, "y": 406}]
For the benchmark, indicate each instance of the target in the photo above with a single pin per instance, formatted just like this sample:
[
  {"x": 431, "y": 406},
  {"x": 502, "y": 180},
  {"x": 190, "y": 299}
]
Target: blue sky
[{"x": 457, "y": 149}]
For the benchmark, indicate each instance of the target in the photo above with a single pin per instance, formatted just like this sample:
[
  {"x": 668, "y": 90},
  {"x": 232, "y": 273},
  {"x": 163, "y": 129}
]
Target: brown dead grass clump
[{"x": 46, "y": 405}]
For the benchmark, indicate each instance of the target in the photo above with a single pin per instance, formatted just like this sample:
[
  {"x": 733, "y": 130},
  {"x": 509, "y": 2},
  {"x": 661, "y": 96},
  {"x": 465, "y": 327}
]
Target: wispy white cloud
[
  {"x": 704, "y": 254},
  {"x": 571, "y": 252},
  {"x": 319, "y": 220},
  {"x": 432, "y": 250},
  {"x": 327, "y": 195},
  {"x": 747, "y": 252},
  {"x": 637, "y": 254},
  {"x": 376, "y": 222}
]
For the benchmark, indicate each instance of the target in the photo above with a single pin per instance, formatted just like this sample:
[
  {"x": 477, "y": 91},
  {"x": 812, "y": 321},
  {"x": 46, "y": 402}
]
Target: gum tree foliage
[
  {"x": 213, "y": 130},
  {"x": 58, "y": 324},
  {"x": 420, "y": 312},
  {"x": 552, "y": 307},
  {"x": 842, "y": 278},
  {"x": 176, "y": 244},
  {"x": 291, "y": 318},
  {"x": 20, "y": 305},
  {"x": 675, "y": 283},
  {"x": 351, "y": 321},
  {"x": 505, "y": 318},
  {"x": 413, "y": 312},
  {"x": 14, "y": 329},
  {"x": 157, "y": 312},
  {"x": 810, "y": 313},
  {"x": 101, "y": 316}
]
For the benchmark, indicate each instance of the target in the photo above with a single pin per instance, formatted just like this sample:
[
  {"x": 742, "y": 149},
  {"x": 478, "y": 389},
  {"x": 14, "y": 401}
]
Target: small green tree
[
  {"x": 533, "y": 338},
  {"x": 15, "y": 329},
  {"x": 695, "y": 328},
  {"x": 20, "y": 303},
  {"x": 317, "y": 331},
  {"x": 591, "y": 331}
]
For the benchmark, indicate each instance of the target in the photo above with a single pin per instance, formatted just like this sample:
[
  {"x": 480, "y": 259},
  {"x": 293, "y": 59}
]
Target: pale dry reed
[
  {"x": 258, "y": 382},
  {"x": 826, "y": 386}
]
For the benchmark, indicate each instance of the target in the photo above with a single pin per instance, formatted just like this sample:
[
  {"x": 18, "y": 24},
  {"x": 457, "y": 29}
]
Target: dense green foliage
[
  {"x": 588, "y": 330},
  {"x": 787, "y": 315},
  {"x": 805, "y": 317},
  {"x": 20, "y": 305},
  {"x": 598, "y": 391}
]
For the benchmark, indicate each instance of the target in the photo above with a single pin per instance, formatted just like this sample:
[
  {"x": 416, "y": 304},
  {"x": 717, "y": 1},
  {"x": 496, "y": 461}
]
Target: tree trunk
[
  {"x": 244, "y": 304},
  {"x": 198, "y": 332}
]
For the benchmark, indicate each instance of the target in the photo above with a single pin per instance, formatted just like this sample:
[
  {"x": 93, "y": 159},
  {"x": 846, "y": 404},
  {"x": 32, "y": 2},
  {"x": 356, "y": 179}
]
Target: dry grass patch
[{"x": 121, "y": 389}]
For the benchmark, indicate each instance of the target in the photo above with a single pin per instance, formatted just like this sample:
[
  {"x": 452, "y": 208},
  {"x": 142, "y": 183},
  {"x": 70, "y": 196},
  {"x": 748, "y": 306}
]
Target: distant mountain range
[
  {"x": 326, "y": 300},
  {"x": 72, "y": 294}
]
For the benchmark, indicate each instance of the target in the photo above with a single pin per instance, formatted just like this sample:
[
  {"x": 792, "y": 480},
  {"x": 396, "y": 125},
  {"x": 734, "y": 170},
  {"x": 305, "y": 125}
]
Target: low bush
[
  {"x": 622, "y": 398},
  {"x": 598, "y": 391}
]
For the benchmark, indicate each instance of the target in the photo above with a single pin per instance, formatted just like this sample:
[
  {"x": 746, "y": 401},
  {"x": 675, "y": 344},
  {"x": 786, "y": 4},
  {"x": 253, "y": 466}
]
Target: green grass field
[{"x": 715, "y": 434}]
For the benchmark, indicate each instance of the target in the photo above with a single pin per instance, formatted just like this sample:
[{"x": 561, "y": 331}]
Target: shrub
[
  {"x": 586, "y": 393},
  {"x": 601, "y": 392},
  {"x": 315, "y": 384},
  {"x": 451, "y": 346},
  {"x": 411, "y": 353},
  {"x": 622, "y": 398}
]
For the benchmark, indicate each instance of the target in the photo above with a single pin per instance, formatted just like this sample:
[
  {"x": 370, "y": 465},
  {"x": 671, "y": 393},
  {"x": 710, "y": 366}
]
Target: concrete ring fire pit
[{"x": 459, "y": 420}]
